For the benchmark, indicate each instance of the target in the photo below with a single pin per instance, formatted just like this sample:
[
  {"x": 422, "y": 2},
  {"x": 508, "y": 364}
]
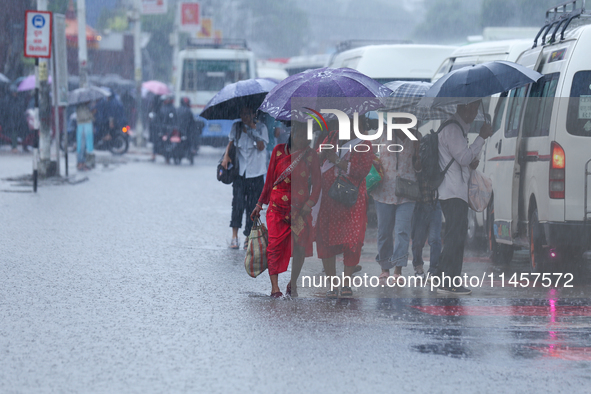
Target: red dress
[
  {"x": 286, "y": 200},
  {"x": 341, "y": 229}
]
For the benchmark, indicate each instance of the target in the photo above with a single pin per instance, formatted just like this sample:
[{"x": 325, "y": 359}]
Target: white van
[
  {"x": 467, "y": 56},
  {"x": 539, "y": 157},
  {"x": 272, "y": 70},
  {"x": 206, "y": 68},
  {"x": 394, "y": 62},
  {"x": 483, "y": 52},
  {"x": 298, "y": 64}
]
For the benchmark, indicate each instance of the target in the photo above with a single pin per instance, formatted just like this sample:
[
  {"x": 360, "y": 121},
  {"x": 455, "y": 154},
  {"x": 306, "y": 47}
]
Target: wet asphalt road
[{"x": 124, "y": 283}]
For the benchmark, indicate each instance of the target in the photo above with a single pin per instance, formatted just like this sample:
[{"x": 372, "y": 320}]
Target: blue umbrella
[
  {"x": 227, "y": 102},
  {"x": 469, "y": 84},
  {"x": 407, "y": 94},
  {"x": 351, "y": 90}
]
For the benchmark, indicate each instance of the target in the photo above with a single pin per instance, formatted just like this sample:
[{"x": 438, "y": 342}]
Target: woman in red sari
[
  {"x": 341, "y": 229},
  {"x": 289, "y": 219}
]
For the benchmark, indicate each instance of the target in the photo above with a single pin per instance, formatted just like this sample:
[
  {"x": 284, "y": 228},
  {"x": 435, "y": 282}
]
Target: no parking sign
[{"x": 38, "y": 34}]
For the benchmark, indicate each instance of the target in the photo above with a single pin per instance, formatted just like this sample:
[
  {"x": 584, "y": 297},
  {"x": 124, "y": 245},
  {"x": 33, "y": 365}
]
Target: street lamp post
[{"x": 137, "y": 60}]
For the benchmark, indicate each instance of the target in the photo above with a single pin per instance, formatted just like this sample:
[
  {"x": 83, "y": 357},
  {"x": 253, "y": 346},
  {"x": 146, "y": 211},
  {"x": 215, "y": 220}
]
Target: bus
[{"x": 204, "y": 69}]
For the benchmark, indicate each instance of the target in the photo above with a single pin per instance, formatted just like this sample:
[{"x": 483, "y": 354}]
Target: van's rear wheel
[
  {"x": 500, "y": 253},
  {"x": 537, "y": 256}
]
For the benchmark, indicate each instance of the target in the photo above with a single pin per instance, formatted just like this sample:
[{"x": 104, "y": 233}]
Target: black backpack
[
  {"x": 431, "y": 173},
  {"x": 228, "y": 175}
]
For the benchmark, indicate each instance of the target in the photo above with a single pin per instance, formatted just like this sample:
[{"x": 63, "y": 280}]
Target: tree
[
  {"x": 279, "y": 25},
  {"x": 449, "y": 20},
  {"x": 272, "y": 28},
  {"x": 515, "y": 12},
  {"x": 12, "y": 32},
  {"x": 159, "y": 48}
]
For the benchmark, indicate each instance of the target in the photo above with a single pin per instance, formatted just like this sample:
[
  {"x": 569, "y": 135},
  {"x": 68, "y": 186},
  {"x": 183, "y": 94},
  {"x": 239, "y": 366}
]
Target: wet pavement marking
[
  {"x": 565, "y": 352},
  {"x": 550, "y": 311}
]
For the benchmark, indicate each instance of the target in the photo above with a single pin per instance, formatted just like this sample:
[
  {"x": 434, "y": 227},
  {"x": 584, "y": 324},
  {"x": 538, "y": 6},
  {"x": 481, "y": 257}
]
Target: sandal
[
  {"x": 291, "y": 292},
  {"x": 277, "y": 294},
  {"x": 346, "y": 292},
  {"x": 332, "y": 294}
]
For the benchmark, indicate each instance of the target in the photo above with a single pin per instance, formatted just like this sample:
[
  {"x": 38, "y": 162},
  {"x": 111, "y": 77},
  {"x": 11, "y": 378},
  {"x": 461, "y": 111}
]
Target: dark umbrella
[
  {"x": 85, "y": 95},
  {"x": 469, "y": 84},
  {"x": 227, "y": 102},
  {"x": 351, "y": 90}
]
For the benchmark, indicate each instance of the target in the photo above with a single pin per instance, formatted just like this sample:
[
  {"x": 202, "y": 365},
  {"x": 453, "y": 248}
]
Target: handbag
[
  {"x": 479, "y": 191},
  {"x": 344, "y": 191},
  {"x": 227, "y": 175},
  {"x": 255, "y": 261},
  {"x": 374, "y": 177},
  {"x": 406, "y": 188}
]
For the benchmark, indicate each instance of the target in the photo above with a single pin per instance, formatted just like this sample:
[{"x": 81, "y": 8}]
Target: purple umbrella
[
  {"x": 29, "y": 83},
  {"x": 351, "y": 90}
]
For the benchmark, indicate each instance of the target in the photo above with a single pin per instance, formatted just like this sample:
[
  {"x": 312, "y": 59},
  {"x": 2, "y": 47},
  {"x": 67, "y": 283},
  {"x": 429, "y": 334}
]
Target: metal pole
[
  {"x": 36, "y": 123},
  {"x": 82, "y": 51},
  {"x": 44, "y": 111},
  {"x": 175, "y": 49},
  {"x": 137, "y": 60},
  {"x": 56, "y": 117}
]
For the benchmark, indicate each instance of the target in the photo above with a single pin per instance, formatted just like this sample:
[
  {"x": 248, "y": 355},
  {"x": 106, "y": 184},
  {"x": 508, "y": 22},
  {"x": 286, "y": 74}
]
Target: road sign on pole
[
  {"x": 190, "y": 17},
  {"x": 38, "y": 34}
]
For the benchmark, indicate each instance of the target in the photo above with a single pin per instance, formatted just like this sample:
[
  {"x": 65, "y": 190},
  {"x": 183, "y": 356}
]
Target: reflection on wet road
[{"x": 125, "y": 284}]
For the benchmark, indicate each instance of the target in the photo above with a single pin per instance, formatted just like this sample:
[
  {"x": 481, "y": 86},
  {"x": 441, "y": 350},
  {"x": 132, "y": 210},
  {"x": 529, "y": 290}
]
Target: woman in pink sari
[
  {"x": 294, "y": 167},
  {"x": 341, "y": 229}
]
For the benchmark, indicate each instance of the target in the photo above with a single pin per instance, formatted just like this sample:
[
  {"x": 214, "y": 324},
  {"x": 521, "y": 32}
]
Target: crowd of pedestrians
[{"x": 302, "y": 210}]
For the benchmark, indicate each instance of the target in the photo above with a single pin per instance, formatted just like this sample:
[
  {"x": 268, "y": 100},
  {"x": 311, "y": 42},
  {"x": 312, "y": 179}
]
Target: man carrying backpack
[{"x": 459, "y": 158}]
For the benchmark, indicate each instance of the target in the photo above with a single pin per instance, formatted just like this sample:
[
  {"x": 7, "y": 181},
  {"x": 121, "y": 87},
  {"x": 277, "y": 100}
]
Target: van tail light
[{"x": 557, "y": 171}]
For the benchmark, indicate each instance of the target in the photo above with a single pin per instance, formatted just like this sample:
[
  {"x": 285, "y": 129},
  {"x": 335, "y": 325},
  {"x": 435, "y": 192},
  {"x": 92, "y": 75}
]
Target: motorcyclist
[
  {"x": 166, "y": 118},
  {"x": 154, "y": 124},
  {"x": 110, "y": 115},
  {"x": 187, "y": 124}
]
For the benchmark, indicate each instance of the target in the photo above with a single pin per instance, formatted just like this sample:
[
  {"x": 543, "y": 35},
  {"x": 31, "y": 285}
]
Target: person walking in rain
[
  {"x": 426, "y": 225},
  {"x": 340, "y": 229},
  {"x": 293, "y": 169},
  {"x": 84, "y": 134},
  {"x": 453, "y": 191},
  {"x": 394, "y": 212},
  {"x": 250, "y": 140},
  {"x": 187, "y": 124}
]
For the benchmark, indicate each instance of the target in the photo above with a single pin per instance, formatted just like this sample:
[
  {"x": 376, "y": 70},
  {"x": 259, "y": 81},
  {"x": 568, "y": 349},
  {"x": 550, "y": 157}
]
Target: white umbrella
[{"x": 85, "y": 95}]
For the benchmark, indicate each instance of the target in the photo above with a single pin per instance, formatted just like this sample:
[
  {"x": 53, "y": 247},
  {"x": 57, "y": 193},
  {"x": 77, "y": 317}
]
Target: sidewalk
[{"x": 16, "y": 169}]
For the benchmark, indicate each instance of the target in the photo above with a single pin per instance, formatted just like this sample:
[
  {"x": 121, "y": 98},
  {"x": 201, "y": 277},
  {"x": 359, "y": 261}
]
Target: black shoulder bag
[
  {"x": 227, "y": 175},
  {"x": 344, "y": 191}
]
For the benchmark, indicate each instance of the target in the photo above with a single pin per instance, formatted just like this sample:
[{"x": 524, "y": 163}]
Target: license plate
[{"x": 215, "y": 127}]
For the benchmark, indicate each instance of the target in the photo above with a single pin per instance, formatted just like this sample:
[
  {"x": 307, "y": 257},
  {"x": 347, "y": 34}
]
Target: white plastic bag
[{"x": 479, "y": 191}]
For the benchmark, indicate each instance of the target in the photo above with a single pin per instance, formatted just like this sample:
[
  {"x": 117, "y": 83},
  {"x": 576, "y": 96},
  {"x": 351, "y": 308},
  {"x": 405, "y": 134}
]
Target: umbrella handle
[{"x": 487, "y": 118}]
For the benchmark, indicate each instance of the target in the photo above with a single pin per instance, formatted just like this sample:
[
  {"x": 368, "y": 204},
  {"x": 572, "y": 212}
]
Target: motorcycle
[
  {"x": 176, "y": 146},
  {"x": 115, "y": 140}
]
